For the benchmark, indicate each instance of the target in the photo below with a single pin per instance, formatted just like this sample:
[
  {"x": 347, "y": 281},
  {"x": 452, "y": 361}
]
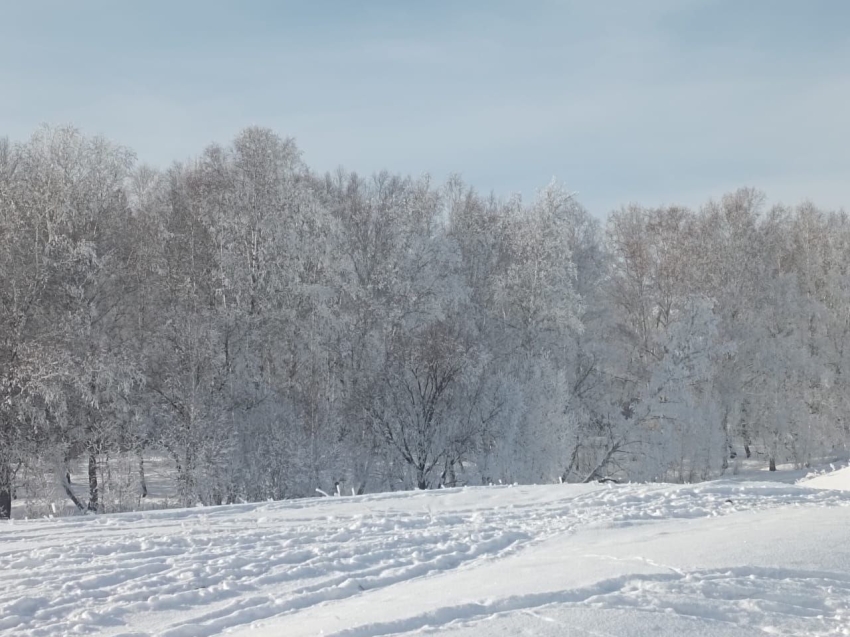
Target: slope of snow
[
  {"x": 721, "y": 558},
  {"x": 839, "y": 479}
]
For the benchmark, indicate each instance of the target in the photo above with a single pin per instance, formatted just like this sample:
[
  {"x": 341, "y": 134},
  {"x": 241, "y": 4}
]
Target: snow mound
[{"x": 839, "y": 480}]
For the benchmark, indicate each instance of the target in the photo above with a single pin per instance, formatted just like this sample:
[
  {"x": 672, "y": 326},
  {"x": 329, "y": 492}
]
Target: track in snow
[{"x": 200, "y": 572}]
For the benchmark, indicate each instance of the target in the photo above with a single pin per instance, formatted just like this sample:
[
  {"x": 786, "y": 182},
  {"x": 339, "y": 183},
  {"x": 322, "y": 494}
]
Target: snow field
[{"x": 721, "y": 556}]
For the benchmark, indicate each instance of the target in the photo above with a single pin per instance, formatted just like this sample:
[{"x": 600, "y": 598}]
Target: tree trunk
[
  {"x": 565, "y": 476},
  {"x": 93, "y": 489},
  {"x": 5, "y": 491},
  {"x": 610, "y": 453},
  {"x": 66, "y": 463},
  {"x": 66, "y": 486},
  {"x": 421, "y": 481},
  {"x": 142, "y": 482},
  {"x": 772, "y": 464}
]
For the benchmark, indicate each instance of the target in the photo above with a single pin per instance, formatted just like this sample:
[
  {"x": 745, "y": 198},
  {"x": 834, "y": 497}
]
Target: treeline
[{"x": 275, "y": 332}]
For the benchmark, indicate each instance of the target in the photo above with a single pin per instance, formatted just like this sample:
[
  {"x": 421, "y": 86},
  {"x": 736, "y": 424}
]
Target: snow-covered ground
[{"x": 717, "y": 559}]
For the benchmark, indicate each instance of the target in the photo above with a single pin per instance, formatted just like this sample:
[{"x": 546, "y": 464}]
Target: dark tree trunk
[
  {"x": 565, "y": 476},
  {"x": 94, "y": 504},
  {"x": 66, "y": 462},
  {"x": 772, "y": 464},
  {"x": 421, "y": 481},
  {"x": 747, "y": 450},
  {"x": 142, "y": 482},
  {"x": 5, "y": 491},
  {"x": 613, "y": 449},
  {"x": 66, "y": 486}
]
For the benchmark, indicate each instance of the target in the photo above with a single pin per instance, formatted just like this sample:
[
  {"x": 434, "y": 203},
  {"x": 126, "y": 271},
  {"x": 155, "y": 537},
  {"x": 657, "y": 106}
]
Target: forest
[{"x": 274, "y": 331}]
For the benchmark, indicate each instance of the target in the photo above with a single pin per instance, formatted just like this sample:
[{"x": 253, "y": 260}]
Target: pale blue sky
[{"x": 654, "y": 101}]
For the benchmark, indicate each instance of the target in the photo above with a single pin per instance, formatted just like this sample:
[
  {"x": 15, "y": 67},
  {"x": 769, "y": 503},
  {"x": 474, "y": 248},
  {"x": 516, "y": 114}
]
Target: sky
[{"x": 654, "y": 102}]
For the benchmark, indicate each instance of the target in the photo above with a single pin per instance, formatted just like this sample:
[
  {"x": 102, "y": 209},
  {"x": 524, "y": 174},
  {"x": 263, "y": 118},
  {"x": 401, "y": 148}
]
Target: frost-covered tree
[
  {"x": 68, "y": 374},
  {"x": 275, "y": 333}
]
